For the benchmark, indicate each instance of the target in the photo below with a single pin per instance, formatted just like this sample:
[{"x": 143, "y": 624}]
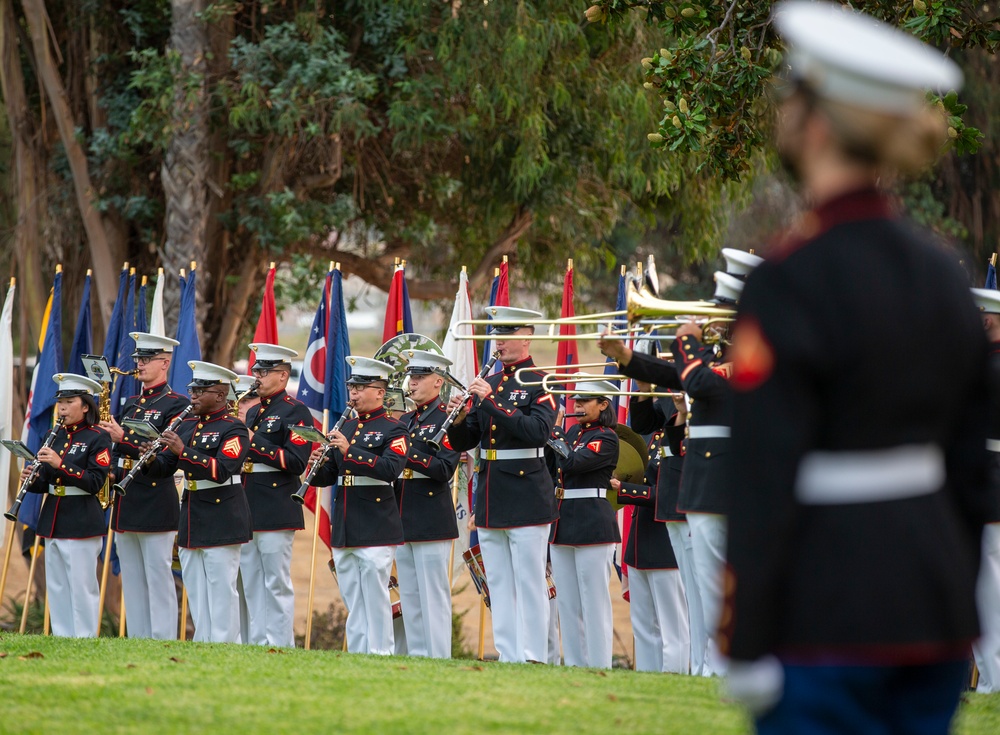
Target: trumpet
[
  {"x": 36, "y": 466},
  {"x": 299, "y": 496},
  {"x": 122, "y": 485},
  {"x": 436, "y": 441},
  {"x": 551, "y": 382}
]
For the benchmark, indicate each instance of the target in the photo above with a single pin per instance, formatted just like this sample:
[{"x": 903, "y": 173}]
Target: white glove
[{"x": 757, "y": 685}]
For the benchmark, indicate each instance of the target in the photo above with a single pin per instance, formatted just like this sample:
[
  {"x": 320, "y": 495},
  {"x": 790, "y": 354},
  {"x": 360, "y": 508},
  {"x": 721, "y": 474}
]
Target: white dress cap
[
  {"x": 71, "y": 384},
  {"x": 422, "y": 362},
  {"x": 150, "y": 345},
  {"x": 849, "y": 57},
  {"x": 987, "y": 300},
  {"x": 365, "y": 370},
  {"x": 206, "y": 373},
  {"x": 727, "y": 288},
  {"x": 592, "y": 388},
  {"x": 268, "y": 355},
  {"x": 241, "y": 385},
  {"x": 515, "y": 318},
  {"x": 739, "y": 262}
]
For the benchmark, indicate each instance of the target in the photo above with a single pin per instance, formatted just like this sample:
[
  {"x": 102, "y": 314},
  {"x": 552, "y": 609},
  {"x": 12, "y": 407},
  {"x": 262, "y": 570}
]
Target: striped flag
[
  {"x": 499, "y": 296},
  {"x": 398, "y": 319},
  {"x": 6, "y": 390},
  {"x": 267, "y": 324},
  {"x": 567, "y": 353},
  {"x": 312, "y": 389}
]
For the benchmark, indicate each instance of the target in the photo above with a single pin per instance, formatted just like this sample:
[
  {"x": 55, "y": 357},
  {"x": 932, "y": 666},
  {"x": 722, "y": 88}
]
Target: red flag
[
  {"x": 567, "y": 353},
  {"x": 267, "y": 325},
  {"x": 397, "y": 310},
  {"x": 503, "y": 286}
]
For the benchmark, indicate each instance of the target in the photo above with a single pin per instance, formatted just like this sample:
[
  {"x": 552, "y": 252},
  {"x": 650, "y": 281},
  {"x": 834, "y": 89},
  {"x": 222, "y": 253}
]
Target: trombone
[
  {"x": 566, "y": 379},
  {"x": 559, "y": 369}
]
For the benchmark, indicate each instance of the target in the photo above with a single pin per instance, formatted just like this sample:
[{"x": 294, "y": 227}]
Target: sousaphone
[{"x": 394, "y": 352}]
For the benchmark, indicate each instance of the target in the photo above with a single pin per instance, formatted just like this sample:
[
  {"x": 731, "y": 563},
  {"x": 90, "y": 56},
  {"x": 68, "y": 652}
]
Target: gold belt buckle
[
  {"x": 490, "y": 455},
  {"x": 59, "y": 490},
  {"x": 127, "y": 464},
  {"x": 192, "y": 485},
  {"x": 347, "y": 481},
  {"x": 560, "y": 491},
  {"x": 407, "y": 474}
]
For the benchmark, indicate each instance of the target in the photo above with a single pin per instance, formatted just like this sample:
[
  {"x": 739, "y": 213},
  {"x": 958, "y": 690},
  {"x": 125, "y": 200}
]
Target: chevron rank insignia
[
  {"x": 594, "y": 446},
  {"x": 104, "y": 458},
  {"x": 398, "y": 445},
  {"x": 232, "y": 447}
]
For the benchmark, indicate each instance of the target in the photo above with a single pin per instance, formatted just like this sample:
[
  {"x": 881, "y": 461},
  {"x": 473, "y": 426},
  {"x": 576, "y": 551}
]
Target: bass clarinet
[
  {"x": 154, "y": 448},
  {"x": 299, "y": 496},
  {"x": 36, "y": 466},
  {"x": 436, "y": 441}
]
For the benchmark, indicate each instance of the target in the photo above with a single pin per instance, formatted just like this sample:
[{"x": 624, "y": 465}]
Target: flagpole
[
  {"x": 46, "y": 617},
  {"x": 454, "y": 502},
  {"x": 27, "y": 590},
  {"x": 121, "y": 614},
  {"x": 13, "y": 524},
  {"x": 318, "y": 504},
  {"x": 104, "y": 573},
  {"x": 182, "y": 630}
]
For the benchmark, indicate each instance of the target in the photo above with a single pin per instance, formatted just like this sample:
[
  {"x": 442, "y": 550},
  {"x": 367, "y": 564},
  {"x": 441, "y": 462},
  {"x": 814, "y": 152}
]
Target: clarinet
[
  {"x": 299, "y": 496},
  {"x": 436, "y": 441},
  {"x": 154, "y": 448},
  {"x": 36, "y": 466}
]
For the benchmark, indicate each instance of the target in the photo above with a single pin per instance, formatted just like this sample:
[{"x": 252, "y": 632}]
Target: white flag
[
  {"x": 156, "y": 325},
  {"x": 462, "y": 353},
  {"x": 6, "y": 393}
]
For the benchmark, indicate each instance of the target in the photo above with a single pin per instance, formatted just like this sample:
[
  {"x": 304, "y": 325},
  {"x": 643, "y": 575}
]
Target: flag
[
  {"x": 462, "y": 354},
  {"x": 499, "y": 296},
  {"x": 156, "y": 323},
  {"x": 567, "y": 353},
  {"x": 611, "y": 368},
  {"x": 83, "y": 338},
  {"x": 141, "y": 318},
  {"x": 6, "y": 390},
  {"x": 398, "y": 319},
  {"x": 114, "y": 325},
  {"x": 267, "y": 324},
  {"x": 187, "y": 334},
  {"x": 991, "y": 273},
  {"x": 124, "y": 386},
  {"x": 42, "y": 400},
  {"x": 312, "y": 388}
]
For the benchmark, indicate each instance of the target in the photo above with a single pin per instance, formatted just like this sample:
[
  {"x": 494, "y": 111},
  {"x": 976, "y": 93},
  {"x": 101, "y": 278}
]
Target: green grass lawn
[{"x": 114, "y": 685}]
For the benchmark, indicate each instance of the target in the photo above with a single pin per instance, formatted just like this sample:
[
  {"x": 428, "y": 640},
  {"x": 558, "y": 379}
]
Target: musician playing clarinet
[{"x": 515, "y": 502}]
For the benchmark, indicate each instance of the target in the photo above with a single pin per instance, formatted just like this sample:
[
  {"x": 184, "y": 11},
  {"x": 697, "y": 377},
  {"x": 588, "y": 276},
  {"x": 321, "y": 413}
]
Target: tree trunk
[
  {"x": 185, "y": 166},
  {"x": 100, "y": 253}
]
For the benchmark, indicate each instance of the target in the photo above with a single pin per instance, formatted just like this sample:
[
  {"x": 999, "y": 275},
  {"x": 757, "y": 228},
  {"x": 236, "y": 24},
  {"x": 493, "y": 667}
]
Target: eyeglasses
[
  {"x": 200, "y": 391},
  {"x": 147, "y": 360},
  {"x": 260, "y": 372}
]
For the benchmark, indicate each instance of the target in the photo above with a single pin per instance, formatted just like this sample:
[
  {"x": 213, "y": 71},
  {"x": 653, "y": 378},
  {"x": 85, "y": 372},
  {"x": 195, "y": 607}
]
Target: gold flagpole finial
[
  {"x": 624, "y": 269},
  {"x": 159, "y": 272},
  {"x": 395, "y": 261},
  {"x": 183, "y": 273},
  {"x": 13, "y": 282},
  {"x": 505, "y": 259},
  {"x": 337, "y": 265},
  {"x": 145, "y": 280},
  {"x": 465, "y": 270},
  {"x": 125, "y": 266},
  {"x": 569, "y": 264},
  {"x": 90, "y": 272},
  {"x": 638, "y": 269},
  {"x": 993, "y": 260},
  {"x": 331, "y": 266},
  {"x": 193, "y": 266},
  {"x": 496, "y": 272},
  {"x": 271, "y": 267},
  {"x": 131, "y": 272}
]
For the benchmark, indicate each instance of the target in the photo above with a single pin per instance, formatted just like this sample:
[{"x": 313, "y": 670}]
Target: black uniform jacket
[
  {"x": 590, "y": 464},
  {"x": 841, "y": 334},
  {"x": 994, "y": 430},
  {"x": 273, "y": 445},
  {"x": 649, "y": 416},
  {"x": 366, "y": 515},
  {"x": 707, "y": 479},
  {"x": 511, "y": 492},
  {"x": 648, "y": 545},
  {"x": 86, "y": 461},
  {"x": 214, "y": 448},
  {"x": 425, "y": 503},
  {"x": 151, "y": 505}
]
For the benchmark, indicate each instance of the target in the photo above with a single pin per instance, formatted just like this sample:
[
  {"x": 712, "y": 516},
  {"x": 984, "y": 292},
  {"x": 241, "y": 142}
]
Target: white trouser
[
  {"x": 266, "y": 569},
  {"x": 708, "y": 547},
  {"x": 987, "y": 648},
  {"x": 210, "y": 579},
  {"x": 659, "y": 620},
  {"x": 422, "y": 571},
  {"x": 519, "y": 599},
  {"x": 582, "y": 575},
  {"x": 363, "y": 578},
  {"x": 71, "y": 585},
  {"x": 148, "y": 584},
  {"x": 680, "y": 541}
]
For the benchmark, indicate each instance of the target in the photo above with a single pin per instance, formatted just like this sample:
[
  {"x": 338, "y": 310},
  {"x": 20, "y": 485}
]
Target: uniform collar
[
  {"x": 73, "y": 428},
  {"x": 265, "y": 402},
  {"x": 377, "y": 413},
  {"x": 859, "y": 205},
  {"x": 514, "y": 367},
  {"x": 429, "y": 406},
  {"x": 155, "y": 390},
  {"x": 213, "y": 416}
]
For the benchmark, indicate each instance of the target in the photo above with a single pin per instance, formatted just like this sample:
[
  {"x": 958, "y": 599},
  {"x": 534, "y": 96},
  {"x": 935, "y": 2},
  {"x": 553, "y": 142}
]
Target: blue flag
[
  {"x": 312, "y": 384},
  {"x": 611, "y": 368},
  {"x": 991, "y": 276},
  {"x": 141, "y": 318},
  {"x": 115, "y": 325},
  {"x": 43, "y": 395},
  {"x": 338, "y": 347},
  {"x": 83, "y": 338},
  {"x": 125, "y": 385},
  {"x": 187, "y": 334},
  {"x": 407, "y": 315}
]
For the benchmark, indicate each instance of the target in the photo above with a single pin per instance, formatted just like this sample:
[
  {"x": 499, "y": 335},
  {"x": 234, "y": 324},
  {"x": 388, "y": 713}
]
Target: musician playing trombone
[
  {"x": 73, "y": 465},
  {"x": 515, "y": 502},
  {"x": 145, "y": 520},
  {"x": 427, "y": 511},
  {"x": 277, "y": 457}
]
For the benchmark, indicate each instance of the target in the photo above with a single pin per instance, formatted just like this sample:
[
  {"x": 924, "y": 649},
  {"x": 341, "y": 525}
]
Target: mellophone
[
  {"x": 122, "y": 485},
  {"x": 36, "y": 466}
]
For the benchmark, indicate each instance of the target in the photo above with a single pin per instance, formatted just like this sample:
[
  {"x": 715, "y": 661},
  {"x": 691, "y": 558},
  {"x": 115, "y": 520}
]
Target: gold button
[
  {"x": 217, "y": 500},
  {"x": 521, "y": 472},
  {"x": 199, "y": 426},
  {"x": 378, "y": 500},
  {"x": 431, "y": 493},
  {"x": 369, "y": 444},
  {"x": 360, "y": 424},
  {"x": 153, "y": 484},
  {"x": 354, "y": 441},
  {"x": 493, "y": 441},
  {"x": 505, "y": 378},
  {"x": 142, "y": 400},
  {"x": 494, "y": 427},
  {"x": 274, "y": 484},
  {"x": 707, "y": 455}
]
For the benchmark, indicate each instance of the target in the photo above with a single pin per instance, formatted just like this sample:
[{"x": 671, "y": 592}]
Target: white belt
[
  {"x": 493, "y": 455},
  {"x": 708, "y": 432},
  {"x": 993, "y": 445},
  {"x": 409, "y": 474},
  {"x": 261, "y": 467},
  {"x": 582, "y": 493},
  {"x": 64, "y": 490},
  {"x": 835, "y": 478},
  {"x": 193, "y": 485},
  {"x": 664, "y": 452},
  {"x": 355, "y": 480}
]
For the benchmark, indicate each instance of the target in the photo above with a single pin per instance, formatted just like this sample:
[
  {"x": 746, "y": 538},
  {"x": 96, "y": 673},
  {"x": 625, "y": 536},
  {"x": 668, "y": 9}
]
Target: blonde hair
[{"x": 905, "y": 145}]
